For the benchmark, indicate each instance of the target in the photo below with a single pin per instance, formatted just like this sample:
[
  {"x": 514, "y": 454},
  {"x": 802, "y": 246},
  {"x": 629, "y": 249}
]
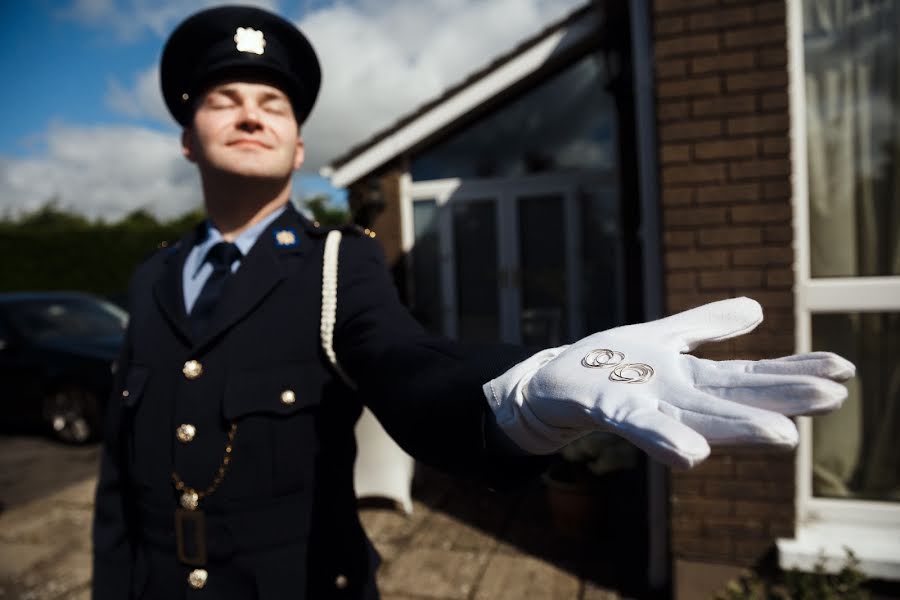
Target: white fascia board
[{"x": 462, "y": 102}]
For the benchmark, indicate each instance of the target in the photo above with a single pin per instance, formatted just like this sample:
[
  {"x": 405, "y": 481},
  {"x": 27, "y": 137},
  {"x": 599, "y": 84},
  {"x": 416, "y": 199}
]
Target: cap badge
[
  {"x": 286, "y": 238},
  {"x": 250, "y": 40}
]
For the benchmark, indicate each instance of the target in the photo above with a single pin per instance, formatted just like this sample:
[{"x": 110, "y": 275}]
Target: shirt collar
[{"x": 244, "y": 241}]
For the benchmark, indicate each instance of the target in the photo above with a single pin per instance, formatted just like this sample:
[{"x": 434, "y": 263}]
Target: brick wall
[{"x": 722, "y": 119}]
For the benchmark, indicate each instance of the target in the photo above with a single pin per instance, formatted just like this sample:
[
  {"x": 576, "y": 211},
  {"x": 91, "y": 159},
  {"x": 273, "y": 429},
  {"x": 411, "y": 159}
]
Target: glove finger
[
  {"x": 664, "y": 439},
  {"x": 820, "y": 364},
  {"x": 709, "y": 323},
  {"x": 789, "y": 395},
  {"x": 724, "y": 422}
]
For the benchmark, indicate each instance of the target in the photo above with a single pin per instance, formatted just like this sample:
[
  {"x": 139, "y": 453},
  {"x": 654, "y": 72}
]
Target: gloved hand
[{"x": 636, "y": 382}]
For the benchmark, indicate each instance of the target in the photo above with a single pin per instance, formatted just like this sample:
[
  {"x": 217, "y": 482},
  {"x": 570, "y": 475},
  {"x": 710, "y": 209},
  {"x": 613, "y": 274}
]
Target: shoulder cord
[{"x": 329, "y": 303}]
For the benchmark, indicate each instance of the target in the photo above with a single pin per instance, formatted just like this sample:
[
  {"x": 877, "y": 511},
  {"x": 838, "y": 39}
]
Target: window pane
[
  {"x": 475, "y": 248},
  {"x": 427, "y": 297},
  {"x": 856, "y": 453},
  {"x": 542, "y": 248},
  {"x": 601, "y": 249},
  {"x": 853, "y": 131},
  {"x": 566, "y": 122}
]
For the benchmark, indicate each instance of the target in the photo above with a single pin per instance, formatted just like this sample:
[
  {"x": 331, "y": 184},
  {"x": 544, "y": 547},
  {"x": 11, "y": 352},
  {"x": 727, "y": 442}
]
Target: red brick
[
  {"x": 749, "y": 490},
  {"x": 681, "y": 281},
  {"x": 777, "y": 146},
  {"x": 663, "y": 6},
  {"x": 773, "y": 57},
  {"x": 751, "y": 551},
  {"x": 673, "y": 153},
  {"x": 774, "y": 100},
  {"x": 724, "y": 105},
  {"x": 689, "y": 87},
  {"x": 677, "y": 196},
  {"x": 678, "y": 239},
  {"x": 765, "y": 469},
  {"x": 687, "y": 44},
  {"x": 692, "y": 259},
  {"x": 761, "y": 213},
  {"x": 731, "y": 279},
  {"x": 729, "y": 236},
  {"x": 756, "y": 36},
  {"x": 702, "y": 547},
  {"x": 668, "y": 25},
  {"x": 690, "y": 130},
  {"x": 737, "y": 148},
  {"x": 694, "y": 173},
  {"x": 778, "y": 233},
  {"x": 729, "y": 194},
  {"x": 669, "y": 69},
  {"x": 685, "y": 217},
  {"x": 722, "y": 62},
  {"x": 717, "y": 465},
  {"x": 721, "y": 18},
  {"x": 779, "y": 278},
  {"x": 739, "y": 527},
  {"x": 758, "y": 124},
  {"x": 771, "y": 11},
  {"x": 685, "y": 527},
  {"x": 776, "y": 299},
  {"x": 669, "y": 111},
  {"x": 701, "y": 507},
  {"x": 771, "y": 255},
  {"x": 686, "y": 487},
  {"x": 759, "y": 509},
  {"x": 760, "y": 167},
  {"x": 756, "y": 80},
  {"x": 777, "y": 190},
  {"x": 678, "y": 302},
  {"x": 780, "y": 528}
]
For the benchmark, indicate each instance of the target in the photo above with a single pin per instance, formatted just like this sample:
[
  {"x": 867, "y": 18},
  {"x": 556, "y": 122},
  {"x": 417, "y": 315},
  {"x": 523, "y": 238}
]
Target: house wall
[{"x": 723, "y": 125}]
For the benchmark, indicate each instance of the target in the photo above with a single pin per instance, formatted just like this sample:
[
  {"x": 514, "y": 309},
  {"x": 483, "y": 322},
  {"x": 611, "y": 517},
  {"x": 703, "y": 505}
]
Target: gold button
[
  {"x": 185, "y": 432},
  {"x": 124, "y": 393},
  {"x": 197, "y": 578},
  {"x": 340, "y": 582},
  {"x": 192, "y": 369},
  {"x": 316, "y": 224},
  {"x": 184, "y": 97},
  {"x": 288, "y": 397}
]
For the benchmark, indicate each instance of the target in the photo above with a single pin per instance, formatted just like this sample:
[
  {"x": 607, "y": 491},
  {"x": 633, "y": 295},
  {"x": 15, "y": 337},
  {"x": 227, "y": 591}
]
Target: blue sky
[{"x": 85, "y": 125}]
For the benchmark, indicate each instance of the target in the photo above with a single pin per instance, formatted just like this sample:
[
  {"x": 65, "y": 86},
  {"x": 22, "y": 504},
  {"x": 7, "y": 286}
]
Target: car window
[{"x": 47, "y": 319}]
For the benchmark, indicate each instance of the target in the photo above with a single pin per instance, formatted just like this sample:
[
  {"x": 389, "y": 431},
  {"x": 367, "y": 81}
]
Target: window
[{"x": 845, "y": 105}]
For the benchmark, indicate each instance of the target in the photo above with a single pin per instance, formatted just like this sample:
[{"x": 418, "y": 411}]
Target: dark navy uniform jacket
[{"x": 283, "y": 521}]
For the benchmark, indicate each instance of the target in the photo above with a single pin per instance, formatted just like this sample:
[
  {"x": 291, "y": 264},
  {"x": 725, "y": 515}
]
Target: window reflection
[{"x": 565, "y": 123}]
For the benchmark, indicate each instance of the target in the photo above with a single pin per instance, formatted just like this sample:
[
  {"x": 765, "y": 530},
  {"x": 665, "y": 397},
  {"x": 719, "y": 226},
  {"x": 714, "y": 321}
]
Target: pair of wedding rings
[{"x": 621, "y": 371}]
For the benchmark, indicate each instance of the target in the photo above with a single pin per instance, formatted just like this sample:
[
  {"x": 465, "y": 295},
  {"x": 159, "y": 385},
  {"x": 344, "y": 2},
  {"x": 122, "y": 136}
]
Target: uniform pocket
[
  {"x": 278, "y": 390},
  {"x": 135, "y": 382}
]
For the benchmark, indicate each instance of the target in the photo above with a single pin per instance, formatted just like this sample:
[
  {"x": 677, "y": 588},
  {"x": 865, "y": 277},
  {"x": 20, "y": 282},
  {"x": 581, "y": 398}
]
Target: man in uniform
[{"x": 227, "y": 466}]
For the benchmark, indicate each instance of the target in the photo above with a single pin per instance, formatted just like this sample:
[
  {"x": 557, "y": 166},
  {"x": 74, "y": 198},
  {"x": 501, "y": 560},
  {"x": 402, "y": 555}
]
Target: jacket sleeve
[
  {"x": 426, "y": 390},
  {"x": 112, "y": 535}
]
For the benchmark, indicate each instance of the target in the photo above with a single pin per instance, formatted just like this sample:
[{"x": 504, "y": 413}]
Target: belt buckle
[{"x": 195, "y": 522}]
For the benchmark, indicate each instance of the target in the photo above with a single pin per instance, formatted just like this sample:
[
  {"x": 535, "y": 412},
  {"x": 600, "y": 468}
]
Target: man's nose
[{"x": 249, "y": 118}]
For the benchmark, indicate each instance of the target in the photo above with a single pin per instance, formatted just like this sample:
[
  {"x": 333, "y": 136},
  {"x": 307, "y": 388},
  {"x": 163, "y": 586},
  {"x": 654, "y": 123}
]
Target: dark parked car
[{"x": 57, "y": 353}]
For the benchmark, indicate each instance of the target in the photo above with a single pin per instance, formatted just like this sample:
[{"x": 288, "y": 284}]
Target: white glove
[{"x": 636, "y": 382}]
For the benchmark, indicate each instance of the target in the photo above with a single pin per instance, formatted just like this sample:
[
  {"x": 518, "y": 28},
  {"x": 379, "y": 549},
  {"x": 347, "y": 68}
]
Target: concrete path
[{"x": 462, "y": 542}]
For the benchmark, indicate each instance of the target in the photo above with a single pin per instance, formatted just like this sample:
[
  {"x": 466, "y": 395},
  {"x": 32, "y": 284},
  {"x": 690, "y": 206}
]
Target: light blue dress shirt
[{"x": 196, "y": 270}]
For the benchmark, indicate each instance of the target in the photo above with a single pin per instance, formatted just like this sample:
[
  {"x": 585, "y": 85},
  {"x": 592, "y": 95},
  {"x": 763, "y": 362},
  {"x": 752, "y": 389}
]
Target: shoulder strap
[{"x": 329, "y": 303}]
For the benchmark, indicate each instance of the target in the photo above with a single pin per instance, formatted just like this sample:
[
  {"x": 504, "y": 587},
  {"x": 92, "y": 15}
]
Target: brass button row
[
  {"x": 197, "y": 578},
  {"x": 185, "y": 433}
]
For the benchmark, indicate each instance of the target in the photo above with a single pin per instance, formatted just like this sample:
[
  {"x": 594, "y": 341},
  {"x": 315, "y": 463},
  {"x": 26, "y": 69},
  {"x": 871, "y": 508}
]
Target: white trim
[
  {"x": 825, "y": 527},
  {"x": 850, "y": 294},
  {"x": 464, "y": 101}
]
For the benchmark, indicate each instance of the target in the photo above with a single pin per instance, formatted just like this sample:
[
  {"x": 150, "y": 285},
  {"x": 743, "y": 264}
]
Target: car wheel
[{"x": 72, "y": 413}]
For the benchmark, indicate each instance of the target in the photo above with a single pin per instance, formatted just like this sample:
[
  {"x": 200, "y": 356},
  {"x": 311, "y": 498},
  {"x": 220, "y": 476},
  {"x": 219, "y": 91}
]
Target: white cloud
[
  {"x": 142, "y": 99},
  {"x": 102, "y": 172}
]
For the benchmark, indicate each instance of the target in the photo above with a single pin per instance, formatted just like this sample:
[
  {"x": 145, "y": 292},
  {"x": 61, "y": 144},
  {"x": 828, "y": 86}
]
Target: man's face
[{"x": 245, "y": 129}]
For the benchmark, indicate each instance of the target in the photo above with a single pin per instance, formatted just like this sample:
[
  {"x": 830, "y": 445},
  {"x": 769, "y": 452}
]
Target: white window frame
[{"x": 825, "y": 526}]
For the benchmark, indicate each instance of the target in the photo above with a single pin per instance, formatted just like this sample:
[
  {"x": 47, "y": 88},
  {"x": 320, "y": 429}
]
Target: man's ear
[
  {"x": 300, "y": 154},
  {"x": 187, "y": 144}
]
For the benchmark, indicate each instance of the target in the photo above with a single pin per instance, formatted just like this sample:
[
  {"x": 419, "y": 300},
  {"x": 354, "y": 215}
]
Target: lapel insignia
[
  {"x": 285, "y": 238},
  {"x": 250, "y": 40}
]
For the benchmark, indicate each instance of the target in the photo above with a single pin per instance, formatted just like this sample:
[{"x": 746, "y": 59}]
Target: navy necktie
[{"x": 221, "y": 256}]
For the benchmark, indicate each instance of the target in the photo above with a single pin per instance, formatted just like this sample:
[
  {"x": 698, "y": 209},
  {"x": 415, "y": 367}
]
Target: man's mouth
[{"x": 249, "y": 143}]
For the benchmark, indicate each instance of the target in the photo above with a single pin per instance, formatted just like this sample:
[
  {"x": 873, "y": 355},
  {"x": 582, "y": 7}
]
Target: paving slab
[
  {"x": 432, "y": 573},
  {"x": 516, "y": 577}
]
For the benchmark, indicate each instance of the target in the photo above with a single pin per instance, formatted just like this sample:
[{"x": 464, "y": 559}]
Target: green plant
[{"x": 846, "y": 584}]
